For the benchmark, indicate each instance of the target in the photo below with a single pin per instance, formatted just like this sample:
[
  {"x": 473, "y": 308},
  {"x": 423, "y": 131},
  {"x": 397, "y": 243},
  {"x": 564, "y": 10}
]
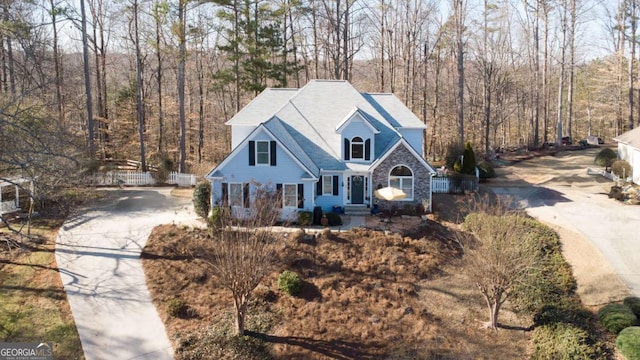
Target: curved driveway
[
  {"x": 557, "y": 190},
  {"x": 98, "y": 254}
]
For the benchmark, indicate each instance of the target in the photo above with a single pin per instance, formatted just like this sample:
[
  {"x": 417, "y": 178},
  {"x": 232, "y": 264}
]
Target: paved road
[
  {"x": 557, "y": 189},
  {"x": 98, "y": 254}
]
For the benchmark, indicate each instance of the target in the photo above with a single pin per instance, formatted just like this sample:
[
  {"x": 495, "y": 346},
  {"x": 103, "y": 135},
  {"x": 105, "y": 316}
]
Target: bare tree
[
  {"x": 563, "y": 25},
  {"x": 139, "y": 89},
  {"x": 38, "y": 148},
  {"x": 181, "y": 28},
  {"x": 504, "y": 256},
  {"x": 458, "y": 13},
  {"x": 56, "y": 59},
  {"x": 159, "y": 13},
  {"x": 241, "y": 252},
  {"x": 87, "y": 82},
  {"x": 633, "y": 21}
]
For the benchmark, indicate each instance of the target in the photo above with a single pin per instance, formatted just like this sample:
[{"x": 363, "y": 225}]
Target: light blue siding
[
  {"x": 216, "y": 193},
  {"x": 286, "y": 171},
  {"x": 358, "y": 128},
  {"x": 327, "y": 202},
  {"x": 414, "y": 138}
]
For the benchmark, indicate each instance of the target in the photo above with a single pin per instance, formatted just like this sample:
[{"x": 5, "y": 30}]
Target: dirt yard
[{"x": 367, "y": 295}]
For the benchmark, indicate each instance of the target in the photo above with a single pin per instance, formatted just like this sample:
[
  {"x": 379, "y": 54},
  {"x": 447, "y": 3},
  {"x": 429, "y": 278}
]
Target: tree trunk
[
  {"x": 159, "y": 75},
  {"x": 436, "y": 103},
  {"x": 493, "y": 305},
  {"x": 563, "y": 25},
  {"x": 382, "y": 30},
  {"x": 460, "y": 67},
  {"x": 425, "y": 84},
  {"x": 87, "y": 82},
  {"x": 201, "y": 74},
  {"x": 536, "y": 64},
  {"x": 545, "y": 74},
  {"x": 294, "y": 49},
  {"x": 9, "y": 51},
  {"x": 236, "y": 63},
  {"x": 572, "y": 50},
  {"x": 241, "y": 310},
  {"x": 486, "y": 78},
  {"x": 620, "y": 59},
  {"x": 56, "y": 61},
  {"x": 139, "y": 97},
  {"x": 345, "y": 41},
  {"x": 495, "y": 311},
  {"x": 632, "y": 54},
  {"x": 182, "y": 57}
]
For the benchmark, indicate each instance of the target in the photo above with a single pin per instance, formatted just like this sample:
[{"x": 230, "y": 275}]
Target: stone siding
[{"x": 421, "y": 178}]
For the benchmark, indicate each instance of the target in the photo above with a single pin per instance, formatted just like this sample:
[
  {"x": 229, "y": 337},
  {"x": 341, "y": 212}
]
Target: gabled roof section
[
  {"x": 404, "y": 143},
  {"x": 263, "y": 107},
  {"x": 275, "y": 130},
  {"x": 287, "y": 140},
  {"x": 394, "y": 111},
  {"x": 631, "y": 137},
  {"x": 351, "y": 116}
]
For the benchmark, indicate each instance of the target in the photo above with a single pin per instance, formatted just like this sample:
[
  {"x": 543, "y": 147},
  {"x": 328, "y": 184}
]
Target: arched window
[
  {"x": 357, "y": 148},
  {"x": 401, "y": 177}
]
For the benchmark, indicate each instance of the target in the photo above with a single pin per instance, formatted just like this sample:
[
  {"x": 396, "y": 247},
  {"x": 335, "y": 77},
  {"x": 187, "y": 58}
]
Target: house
[
  {"x": 324, "y": 145},
  {"x": 629, "y": 151}
]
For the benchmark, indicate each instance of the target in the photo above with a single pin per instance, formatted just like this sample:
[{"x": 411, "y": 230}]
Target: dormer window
[{"x": 357, "y": 148}]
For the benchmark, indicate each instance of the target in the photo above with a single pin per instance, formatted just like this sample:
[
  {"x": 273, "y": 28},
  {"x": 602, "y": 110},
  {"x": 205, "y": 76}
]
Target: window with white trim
[
  {"x": 290, "y": 195},
  {"x": 401, "y": 177},
  {"x": 262, "y": 152},
  {"x": 236, "y": 194},
  {"x": 327, "y": 185},
  {"x": 357, "y": 148}
]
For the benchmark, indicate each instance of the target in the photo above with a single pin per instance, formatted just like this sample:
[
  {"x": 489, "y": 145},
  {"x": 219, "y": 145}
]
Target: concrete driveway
[
  {"x": 558, "y": 190},
  {"x": 98, "y": 254}
]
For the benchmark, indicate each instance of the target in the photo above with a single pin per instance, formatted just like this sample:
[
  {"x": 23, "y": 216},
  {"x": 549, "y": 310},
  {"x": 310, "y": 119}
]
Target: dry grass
[
  {"x": 367, "y": 295},
  {"x": 33, "y": 304}
]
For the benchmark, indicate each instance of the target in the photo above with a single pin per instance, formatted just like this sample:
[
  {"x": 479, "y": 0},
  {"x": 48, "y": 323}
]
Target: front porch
[{"x": 357, "y": 210}]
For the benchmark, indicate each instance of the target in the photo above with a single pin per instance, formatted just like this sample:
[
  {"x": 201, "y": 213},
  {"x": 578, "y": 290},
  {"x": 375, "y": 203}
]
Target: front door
[{"x": 357, "y": 189}]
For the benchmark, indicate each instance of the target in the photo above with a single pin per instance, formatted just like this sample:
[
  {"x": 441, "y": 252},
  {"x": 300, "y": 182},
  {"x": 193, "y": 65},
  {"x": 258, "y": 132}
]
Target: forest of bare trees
[{"x": 155, "y": 80}]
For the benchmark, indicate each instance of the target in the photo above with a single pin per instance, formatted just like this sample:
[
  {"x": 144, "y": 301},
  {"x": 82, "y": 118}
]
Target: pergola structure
[{"x": 11, "y": 194}]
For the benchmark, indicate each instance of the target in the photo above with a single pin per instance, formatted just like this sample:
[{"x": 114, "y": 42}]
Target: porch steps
[{"x": 357, "y": 210}]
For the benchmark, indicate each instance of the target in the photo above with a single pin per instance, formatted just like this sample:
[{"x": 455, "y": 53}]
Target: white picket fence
[
  {"x": 440, "y": 185},
  {"x": 136, "y": 178},
  {"x": 181, "y": 179},
  {"x": 446, "y": 184}
]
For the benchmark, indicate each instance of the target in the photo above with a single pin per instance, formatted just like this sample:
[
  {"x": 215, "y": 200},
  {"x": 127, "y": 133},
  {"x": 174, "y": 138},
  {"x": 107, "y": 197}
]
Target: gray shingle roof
[
  {"x": 631, "y": 137},
  {"x": 305, "y": 119},
  {"x": 263, "y": 107}
]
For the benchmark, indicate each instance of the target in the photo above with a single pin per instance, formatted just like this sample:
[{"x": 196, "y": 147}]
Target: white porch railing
[
  {"x": 8, "y": 206},
  {"x": 135, "y": 178}
]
